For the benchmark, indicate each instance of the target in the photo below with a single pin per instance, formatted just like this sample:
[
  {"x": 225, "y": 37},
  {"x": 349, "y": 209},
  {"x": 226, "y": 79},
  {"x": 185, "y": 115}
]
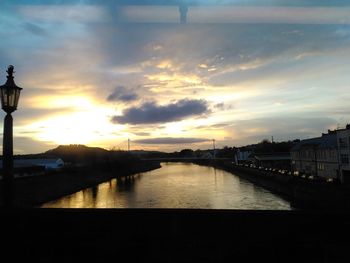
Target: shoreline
[
  {"x": 34, "y": 191},
  {"x": 301, "y": 193}
]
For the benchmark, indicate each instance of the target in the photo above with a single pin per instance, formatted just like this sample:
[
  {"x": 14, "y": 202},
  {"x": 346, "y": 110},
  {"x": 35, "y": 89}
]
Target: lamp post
[{"x": 9, "y": 93}]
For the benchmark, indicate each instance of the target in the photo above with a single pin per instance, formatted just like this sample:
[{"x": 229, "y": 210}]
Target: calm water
[{"x": 176, "y": 185}]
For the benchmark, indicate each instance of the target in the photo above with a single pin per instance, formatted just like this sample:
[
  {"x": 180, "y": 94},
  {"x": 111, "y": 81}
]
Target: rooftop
[{"x": 326, "y": 141}]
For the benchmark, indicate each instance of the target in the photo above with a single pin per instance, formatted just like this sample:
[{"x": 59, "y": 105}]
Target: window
[
  {"x": 342, "y": 143},
  {"x": 320, "y": 166},
  {"x": 344, "y": 158}
]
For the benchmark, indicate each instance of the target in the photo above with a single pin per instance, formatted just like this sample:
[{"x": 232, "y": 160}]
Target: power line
[{"x": 121, "y": 145}]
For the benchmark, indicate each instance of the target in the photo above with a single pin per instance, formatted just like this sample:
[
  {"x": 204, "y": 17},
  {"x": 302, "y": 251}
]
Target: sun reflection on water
[{"x": 175, "y": 185}]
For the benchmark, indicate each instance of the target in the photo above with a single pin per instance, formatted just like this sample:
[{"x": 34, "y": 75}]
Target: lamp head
[{"x": 9, "y": 92}]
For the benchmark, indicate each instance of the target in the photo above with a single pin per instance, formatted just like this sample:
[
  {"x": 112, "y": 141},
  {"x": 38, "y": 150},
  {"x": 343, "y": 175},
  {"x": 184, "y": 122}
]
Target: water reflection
[
  {"x": 127, "y": 184},
  {"x": 175, "y": 185},
  {"x": 94, "y": 191}
]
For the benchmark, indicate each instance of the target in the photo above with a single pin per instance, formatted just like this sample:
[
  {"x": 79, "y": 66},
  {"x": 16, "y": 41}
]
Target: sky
[{"x": 98, "y": 73}]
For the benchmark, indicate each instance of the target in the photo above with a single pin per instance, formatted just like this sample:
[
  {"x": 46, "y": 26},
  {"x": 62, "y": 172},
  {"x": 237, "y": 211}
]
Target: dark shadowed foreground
[{"x": 169, "y": 235}]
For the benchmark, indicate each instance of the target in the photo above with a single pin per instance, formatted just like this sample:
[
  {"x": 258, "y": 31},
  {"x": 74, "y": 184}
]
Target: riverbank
[
  {"x": 37, "y": 190},
  {"x": 302, "y": 193}
]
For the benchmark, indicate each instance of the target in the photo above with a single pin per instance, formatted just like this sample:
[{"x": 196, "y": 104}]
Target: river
[{"x": 176, "y": 185}]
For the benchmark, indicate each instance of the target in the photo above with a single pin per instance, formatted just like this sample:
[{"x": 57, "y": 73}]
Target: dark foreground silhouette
[{"x": 168, "y": 235}]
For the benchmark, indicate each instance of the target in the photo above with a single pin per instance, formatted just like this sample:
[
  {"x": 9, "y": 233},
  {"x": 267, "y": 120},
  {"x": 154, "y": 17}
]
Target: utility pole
[
  {"x": 128, "y": 144},
  {"x": 214, "y": 148}
]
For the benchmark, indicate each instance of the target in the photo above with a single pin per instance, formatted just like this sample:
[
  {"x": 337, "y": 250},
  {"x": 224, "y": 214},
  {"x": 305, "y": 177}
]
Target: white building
[
  {"x": 30, "y": 167},
  {"x": 243, "y": 154},
  {"x": 49, "y": 164}
]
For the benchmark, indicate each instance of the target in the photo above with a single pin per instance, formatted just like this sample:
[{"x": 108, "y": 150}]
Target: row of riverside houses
[
  {"x": 266, "y": 154},
  {"x": 326, "y": 156}
]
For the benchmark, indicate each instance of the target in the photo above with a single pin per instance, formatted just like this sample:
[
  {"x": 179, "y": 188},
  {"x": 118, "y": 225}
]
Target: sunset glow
[{"x": 95, "y": 76}]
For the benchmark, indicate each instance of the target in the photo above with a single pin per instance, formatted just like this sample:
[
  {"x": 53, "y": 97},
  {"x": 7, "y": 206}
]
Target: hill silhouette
[
  {"x": 76, "y": 153},
  {"x": 85, "y": 155},
  {"x": 82, "y": 154},
  {"x": 75, "y": 149}
]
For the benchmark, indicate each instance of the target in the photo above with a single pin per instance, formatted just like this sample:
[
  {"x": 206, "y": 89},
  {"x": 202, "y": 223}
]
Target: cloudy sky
[{"x": 97, "y": 73}]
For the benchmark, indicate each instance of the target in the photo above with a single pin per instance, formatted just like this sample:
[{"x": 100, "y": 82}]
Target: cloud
[
  {"x": 170, "y": 140},
  {"x": 35, "y": 29},
  {"x": 254, "y": 67},
  {"x": 26, "y": 145},
  {"x": 223, "y": 106},
  {"x": 271, "y": 14},
  {"x": 58, "y": 13},
  {"x": 217, "y": 126},
  {"x": 122, "y": 94},
  {"x": 281, "y": 128},
  {"x": 152, "y": 113},
  {"x": 142, "y": 133},
  {"x": 27, "y": 114}
]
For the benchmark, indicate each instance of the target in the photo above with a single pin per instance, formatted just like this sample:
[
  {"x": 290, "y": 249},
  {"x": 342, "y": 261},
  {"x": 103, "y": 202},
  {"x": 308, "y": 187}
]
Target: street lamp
[{"x": 9, "y": 93}]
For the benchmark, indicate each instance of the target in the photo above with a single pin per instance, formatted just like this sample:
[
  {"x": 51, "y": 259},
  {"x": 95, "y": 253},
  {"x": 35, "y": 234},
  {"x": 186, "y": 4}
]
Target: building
[
  {"x": 276, "y": 160},
  {"x": 244, "y": 153},
  {"x": 206, "y": 155},
  {"x": 317, "y": 156},
  {"x": 49, "y": 164},
  {"x": 343, "y": 143},
  {"x": 24, "y": 167}
]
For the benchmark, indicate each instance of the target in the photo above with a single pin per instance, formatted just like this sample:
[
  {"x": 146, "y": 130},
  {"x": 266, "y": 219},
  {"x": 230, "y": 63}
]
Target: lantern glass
[
  {"x": 9, "y": 98},
  {"x": 17, "y": 93}
]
